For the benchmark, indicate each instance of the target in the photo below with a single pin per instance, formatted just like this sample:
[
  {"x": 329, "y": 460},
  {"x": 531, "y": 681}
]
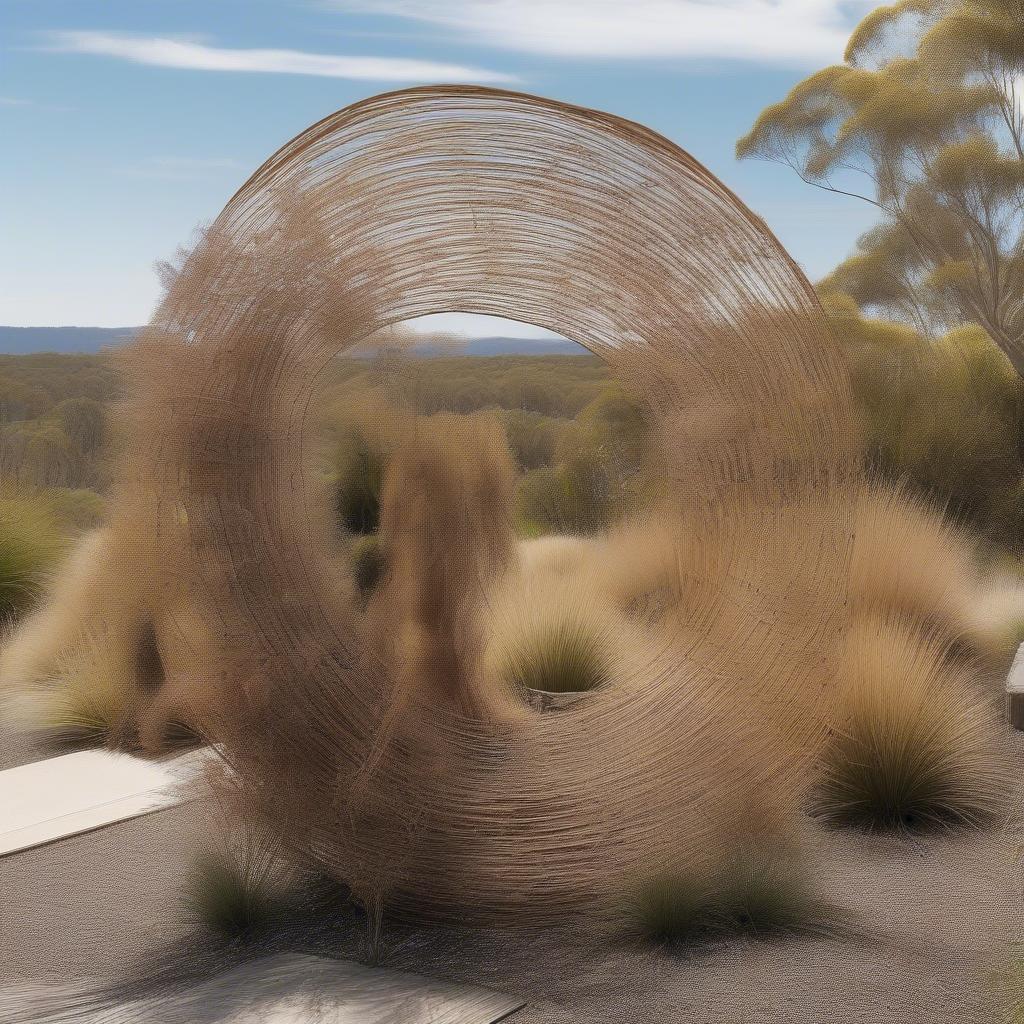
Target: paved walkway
[
  {"x": 286, "y": 988},
  {"x": 47, "y": 800},
  {"x": 935, "y": 927}
]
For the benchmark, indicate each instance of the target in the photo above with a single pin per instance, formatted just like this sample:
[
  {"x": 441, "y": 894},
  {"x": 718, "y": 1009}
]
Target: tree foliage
[
  {"x": 83, "y": 420},
  {"x": 944, "y": 416},
  {"x": 925, "y": 120}
]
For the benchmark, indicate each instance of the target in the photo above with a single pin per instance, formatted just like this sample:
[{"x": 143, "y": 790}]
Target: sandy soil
[{"x": 928, "y": 936}]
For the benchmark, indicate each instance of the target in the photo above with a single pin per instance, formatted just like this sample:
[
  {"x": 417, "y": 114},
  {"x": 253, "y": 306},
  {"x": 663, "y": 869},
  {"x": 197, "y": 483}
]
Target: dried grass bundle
[
  {"x": 909, "y": 559},
  {"x": 916, "y": 741},
  {"x": 446, "y": 532}
]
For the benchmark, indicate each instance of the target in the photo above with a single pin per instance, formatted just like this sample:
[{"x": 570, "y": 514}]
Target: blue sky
[{"x": 128, "y": 123}]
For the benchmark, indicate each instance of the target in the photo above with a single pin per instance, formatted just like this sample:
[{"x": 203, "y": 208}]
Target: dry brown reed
[
  {"x": 446, "y": 532},
  {"x": 915, "y": 741},
  {"x": 110, "y": 656},
  {"x": 910, "y": 560}
]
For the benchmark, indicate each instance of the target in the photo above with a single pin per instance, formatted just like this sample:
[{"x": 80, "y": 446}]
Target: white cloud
[
  {"x": 179, "y": 53},
  {"x": 767, "y": 31},
  {"x": 12, "y": 101}
]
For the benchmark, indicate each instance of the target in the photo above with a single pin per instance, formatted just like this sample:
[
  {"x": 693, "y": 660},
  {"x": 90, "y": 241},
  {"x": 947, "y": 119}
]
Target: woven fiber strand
[{"x": 480, "y": 201}]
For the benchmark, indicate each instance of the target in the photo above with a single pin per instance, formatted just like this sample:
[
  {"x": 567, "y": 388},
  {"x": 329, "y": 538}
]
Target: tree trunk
[{"x": 1012, "y": 347}]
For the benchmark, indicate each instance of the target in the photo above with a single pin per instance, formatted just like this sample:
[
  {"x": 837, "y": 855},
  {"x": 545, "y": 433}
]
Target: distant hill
[
  {"x": 23, "y": 340},
  {"x": 505, "y": 347}
]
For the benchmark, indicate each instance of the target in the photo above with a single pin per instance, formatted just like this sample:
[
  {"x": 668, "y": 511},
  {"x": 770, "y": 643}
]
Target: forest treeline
[
  {"x": 54, "y": 429},
  {"x": 945, "y": 416}
]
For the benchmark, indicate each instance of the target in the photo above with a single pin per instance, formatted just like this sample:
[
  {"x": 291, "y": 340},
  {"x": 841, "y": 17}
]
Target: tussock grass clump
[
  {"x": 72, "y": 608},
  {"x": 90, "y": 699},
  {"x": 554, "y": 625},
  {"x": 755, "y": 893},
  {"x": 915, "y": 744},
  {"x": 909, "y": 559},
  {"x": 236, "y": 893},
  {"x": 70, "y": 664},
  {"x": 674, "y": 908},
  {"x": 96, "y": 697},
  {"x": 564, "y": 656},
  {"x": 230, "y": 902},
  {"x": 106, "y": 659},
  {"x": 30, "y": 543},
  {"x": 643, "y": 568}
]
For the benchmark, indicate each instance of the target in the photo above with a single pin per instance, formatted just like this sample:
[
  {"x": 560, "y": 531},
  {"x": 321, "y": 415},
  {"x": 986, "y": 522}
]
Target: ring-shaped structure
[{"x": 467, "y": 199}]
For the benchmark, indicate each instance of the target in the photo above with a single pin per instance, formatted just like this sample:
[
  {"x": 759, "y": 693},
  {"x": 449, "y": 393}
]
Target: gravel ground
[
  {"x": 928, "y": 936},
  {"x": 19, "y": 748}
]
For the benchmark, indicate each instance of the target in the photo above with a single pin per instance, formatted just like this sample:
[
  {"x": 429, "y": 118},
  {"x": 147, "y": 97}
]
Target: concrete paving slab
[
  {"x": 63, "y": 796},
  {"x": 1015, "y": 691},
  {"x": 288, "y": 988}
]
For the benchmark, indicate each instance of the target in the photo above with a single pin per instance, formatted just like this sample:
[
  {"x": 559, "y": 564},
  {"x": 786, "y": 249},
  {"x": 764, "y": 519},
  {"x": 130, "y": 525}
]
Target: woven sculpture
[{"x": 451, "y": 799}]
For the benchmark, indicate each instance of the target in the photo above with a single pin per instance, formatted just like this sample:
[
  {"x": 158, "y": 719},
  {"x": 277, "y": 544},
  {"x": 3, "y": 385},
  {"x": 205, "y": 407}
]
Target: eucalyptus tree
[{"x": 924, "y": 120}]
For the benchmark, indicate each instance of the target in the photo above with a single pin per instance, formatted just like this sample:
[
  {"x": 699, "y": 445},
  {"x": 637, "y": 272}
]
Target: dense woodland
[
  {"x": 945, "y": 415},
  {"x": 54, "y": 423}
]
